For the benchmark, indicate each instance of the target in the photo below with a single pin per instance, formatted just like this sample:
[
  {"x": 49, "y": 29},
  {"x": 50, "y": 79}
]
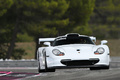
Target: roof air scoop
[{"x": 72, "y": 36}]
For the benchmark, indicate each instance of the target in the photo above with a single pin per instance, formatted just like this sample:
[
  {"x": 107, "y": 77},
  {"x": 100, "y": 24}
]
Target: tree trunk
[{"x": 13, "y": 39}]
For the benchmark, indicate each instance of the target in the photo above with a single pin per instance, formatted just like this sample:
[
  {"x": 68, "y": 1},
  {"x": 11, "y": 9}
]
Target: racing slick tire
[{"x": 45, "y": 66}]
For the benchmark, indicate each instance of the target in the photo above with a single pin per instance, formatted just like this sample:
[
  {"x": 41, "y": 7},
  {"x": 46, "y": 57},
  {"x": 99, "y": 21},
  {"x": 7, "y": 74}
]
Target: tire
[
  {"x": 50, "y": 70},
  {"x": 99, "y": 68},
  {"x": 39, "y": 65},
  {"x": 39, "y": 70},
  {"x": 45, "y": 63}
]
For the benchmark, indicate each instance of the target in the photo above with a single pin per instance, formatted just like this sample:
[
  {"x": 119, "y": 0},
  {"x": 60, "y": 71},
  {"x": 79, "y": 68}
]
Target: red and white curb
[{"x": 8, "y": 75}]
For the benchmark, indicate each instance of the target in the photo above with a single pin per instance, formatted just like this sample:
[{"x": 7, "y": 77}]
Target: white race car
[{"x": 72, "y": 51}]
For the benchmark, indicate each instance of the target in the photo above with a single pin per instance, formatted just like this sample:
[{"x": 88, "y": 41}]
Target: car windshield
[{"x": 78, "y": 40}]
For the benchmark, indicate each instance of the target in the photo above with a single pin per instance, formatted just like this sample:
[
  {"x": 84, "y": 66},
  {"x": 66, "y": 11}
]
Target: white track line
[{"x": 18, "y": 67}]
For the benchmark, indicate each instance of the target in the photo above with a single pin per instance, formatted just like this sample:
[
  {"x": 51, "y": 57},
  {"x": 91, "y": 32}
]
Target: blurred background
[{"x": 22, "y": 22}]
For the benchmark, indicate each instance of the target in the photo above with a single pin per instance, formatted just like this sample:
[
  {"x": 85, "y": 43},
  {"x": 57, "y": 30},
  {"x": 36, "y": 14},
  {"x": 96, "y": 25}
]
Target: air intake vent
[{"x": 72, "y": 36}]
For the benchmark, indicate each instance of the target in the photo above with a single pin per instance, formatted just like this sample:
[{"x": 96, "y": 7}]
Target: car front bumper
[{"x": 86, "y": 63}]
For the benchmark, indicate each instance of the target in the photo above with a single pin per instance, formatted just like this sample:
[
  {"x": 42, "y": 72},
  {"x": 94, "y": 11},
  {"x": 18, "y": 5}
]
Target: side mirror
[
  {"x": 103, "y": 42},
  {"x": 47, "y": 43}
]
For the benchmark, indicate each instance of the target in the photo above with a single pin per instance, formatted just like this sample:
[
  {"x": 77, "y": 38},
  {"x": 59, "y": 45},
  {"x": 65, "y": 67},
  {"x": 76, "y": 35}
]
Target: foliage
[
  {"x": 80, "y": 11},
  {"x": 3, "y": 50},
  {"x": 18, "y": 53},
  {"x": 79, "y": 15},
  {"x": 4, "y": 5},
  {"x": 100, "y": 31},
  {"x": 106, "y": 19},
  {"x": 24, "y": 37},
  {"x": 107, "y": 11},
  {"x": 50, "y": 17},
  {"x": 83, "y": 29}
]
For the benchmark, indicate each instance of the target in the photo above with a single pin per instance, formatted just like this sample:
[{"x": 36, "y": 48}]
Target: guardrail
[{"x": 18, "y": 63}]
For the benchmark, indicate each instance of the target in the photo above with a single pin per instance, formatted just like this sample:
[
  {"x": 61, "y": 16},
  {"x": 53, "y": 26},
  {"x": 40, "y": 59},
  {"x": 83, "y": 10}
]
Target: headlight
[
  {"x": 100, "y": 51},
  {"x": 57, "y": 52}
]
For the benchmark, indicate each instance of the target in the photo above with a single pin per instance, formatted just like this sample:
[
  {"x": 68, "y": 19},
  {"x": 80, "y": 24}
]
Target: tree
[
  {"x": 79, "y": 14},
  {"x": 4, "y": 6},
  {"x": 4, "y": 32},
  {"x": 107, "y": 14},
  {"x": 14, "y": 20}
]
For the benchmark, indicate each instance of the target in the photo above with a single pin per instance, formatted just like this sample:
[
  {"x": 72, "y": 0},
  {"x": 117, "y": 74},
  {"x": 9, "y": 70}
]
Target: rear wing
[
  {"x": 93, "y": 38},
  {"x": 46, "y": 40}
]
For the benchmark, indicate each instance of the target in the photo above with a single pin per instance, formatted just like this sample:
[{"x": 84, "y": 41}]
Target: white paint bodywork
[{"x": 86, "y": 52}]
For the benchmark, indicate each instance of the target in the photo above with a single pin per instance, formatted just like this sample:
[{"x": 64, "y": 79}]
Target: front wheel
[
  {"x": 39, "y": 69},
  {"x": 42, "y": 64},
  {"x": 51, "y": 70}
]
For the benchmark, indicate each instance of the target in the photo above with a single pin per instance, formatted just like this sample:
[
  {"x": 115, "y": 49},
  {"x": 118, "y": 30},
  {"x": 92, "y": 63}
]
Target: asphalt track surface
[{"x": 60, "y": 74}]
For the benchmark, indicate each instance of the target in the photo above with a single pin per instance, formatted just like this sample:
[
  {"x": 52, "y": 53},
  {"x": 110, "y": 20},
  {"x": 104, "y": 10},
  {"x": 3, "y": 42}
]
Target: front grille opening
[{"x": 79, "y": 62}]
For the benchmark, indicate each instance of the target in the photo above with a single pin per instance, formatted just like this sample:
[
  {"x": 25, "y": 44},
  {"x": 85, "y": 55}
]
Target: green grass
[{"x": 29, "y": 47}]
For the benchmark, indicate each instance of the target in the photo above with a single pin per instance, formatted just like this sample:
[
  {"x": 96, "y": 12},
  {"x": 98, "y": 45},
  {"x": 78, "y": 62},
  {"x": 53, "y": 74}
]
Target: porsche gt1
[{"x": 72, "y": 51}]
